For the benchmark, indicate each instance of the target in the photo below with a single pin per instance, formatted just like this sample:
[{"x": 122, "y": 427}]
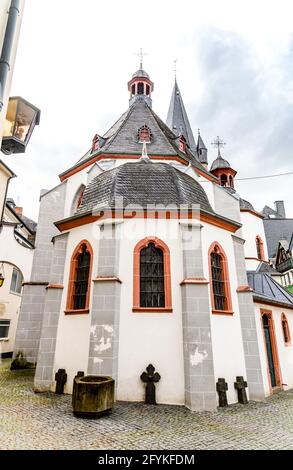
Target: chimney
[
  {"x": 280, "y": 209},
  {"x": 18, "y": 210}
]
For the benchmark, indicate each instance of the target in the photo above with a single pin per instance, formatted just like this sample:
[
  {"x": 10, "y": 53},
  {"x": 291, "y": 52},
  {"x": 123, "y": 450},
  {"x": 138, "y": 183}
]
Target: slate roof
[
  {"x": 220, "y": 162},
  {"x": 266, "y": 289},
  {"x": 245, "y": 204},
  {"x": 275, "y": 230},
  {"x": 177, "y": 119},
  {"x": 142, "y": 183},
  {"x": 122, "y": 138},
  {"x": 140, "y": 73}
]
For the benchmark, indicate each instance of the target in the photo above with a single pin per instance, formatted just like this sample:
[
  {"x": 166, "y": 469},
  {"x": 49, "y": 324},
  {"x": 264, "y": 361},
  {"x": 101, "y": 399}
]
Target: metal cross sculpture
[
  {"x": 140, "y": 55},
  {"x": 149, "y": 378},
  {"x": 218, "y": 143}
]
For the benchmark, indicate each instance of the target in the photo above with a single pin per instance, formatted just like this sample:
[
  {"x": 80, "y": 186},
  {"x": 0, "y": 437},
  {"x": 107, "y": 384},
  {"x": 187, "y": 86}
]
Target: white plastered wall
[
  {"x": 226, "y": 329},
  {"x": 251, "y": 227}
]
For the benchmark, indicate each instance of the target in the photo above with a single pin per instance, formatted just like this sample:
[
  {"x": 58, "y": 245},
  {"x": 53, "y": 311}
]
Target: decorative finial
[
  {"x": 218, "y": 143},
  {"x": 175, "y": 68},
  {"x": 140, "y": 55}
]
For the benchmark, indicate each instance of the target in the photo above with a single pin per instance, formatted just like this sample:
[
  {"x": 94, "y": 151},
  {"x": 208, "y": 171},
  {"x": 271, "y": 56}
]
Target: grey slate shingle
[
  {"x": 143, "y": 183},
  {"x": 267, "y": 289}
]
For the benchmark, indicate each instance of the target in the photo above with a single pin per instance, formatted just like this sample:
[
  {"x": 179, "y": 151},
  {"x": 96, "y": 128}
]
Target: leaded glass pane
[
  {"x": 152, "y": 284},
  {"x": 218, "y": 282},
  {"x": 81, "y": 279}
]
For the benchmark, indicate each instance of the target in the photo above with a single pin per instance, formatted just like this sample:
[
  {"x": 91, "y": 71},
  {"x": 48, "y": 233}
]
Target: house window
[
  {"x": 182, "y": 143},
  {"x": 79, "y": 279},
  {"x": 220, "y": 286},
  {"x": 259, "y": 248},
  {"x": 152, "y": 279},
  {"x": 16, "y": 281},
  {"x": 140, "y": 88},
  {"x": 286, "y": 331},
  {"x": 4, "y": 329}
]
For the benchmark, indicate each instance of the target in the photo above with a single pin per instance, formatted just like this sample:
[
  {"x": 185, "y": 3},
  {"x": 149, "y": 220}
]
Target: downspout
[{"x": 13, "y": 13}]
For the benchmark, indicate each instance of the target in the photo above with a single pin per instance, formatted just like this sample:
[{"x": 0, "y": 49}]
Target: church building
[{"x": 141, "y": 258}]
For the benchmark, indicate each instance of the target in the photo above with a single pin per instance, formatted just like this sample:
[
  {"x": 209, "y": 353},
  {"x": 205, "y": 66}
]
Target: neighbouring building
[
  {"x": 142, "y": 256},
  {"x": 17, "y": 235}
]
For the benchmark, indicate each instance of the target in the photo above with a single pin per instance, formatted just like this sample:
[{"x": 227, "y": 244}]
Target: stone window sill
[
  {"x": 4, "y": 339},
  {"x": 76, "y": 312},
  {"x": 152, "y": 310},
  {"x": 222, "y": 312}
]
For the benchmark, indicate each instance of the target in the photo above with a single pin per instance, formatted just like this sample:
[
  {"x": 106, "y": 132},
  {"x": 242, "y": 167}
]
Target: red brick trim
[
  {"x": 259, "y": 241},
  {"x": 276, "y": 360},
  {"x": 244, "y": 289},
  {"x": 285, "y": 325},
  {"x": 228, "y": 311},
  {"x": 89, "y": 218},
  {"x": 55, "y": 286},
  {"x": 136, "y": 275},
  {"x": 76, "y": 312},
  {"x": 73, "y": 262},
  {"x": 256, "y": 214},
  {"x": 118, "y": 156}
]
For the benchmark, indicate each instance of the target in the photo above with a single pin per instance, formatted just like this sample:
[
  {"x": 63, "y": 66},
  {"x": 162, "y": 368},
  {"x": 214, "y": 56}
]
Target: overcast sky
[{"x": 234, "y": 70}]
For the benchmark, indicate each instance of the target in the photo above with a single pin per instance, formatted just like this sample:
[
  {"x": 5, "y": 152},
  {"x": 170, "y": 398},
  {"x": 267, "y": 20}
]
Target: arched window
[
  {"x": 133, "y": 89},
  {"x": 219, "y": 280},
  {"x": 144, "y": 134},
  {"x": 77, "y": 199},
  {"x": 182, "y": 143},
  {"x": 231, "y": 181},
  {"x": 286, "y": 331},
  {"x": 259, "y": 248},
  {"x": 151, "y": 277},
  {"x": 223, "y": 179},
  {"x": 140, "y": 88},
  {"x": 79, "y": 279},
  {"x": 147, "y": 90},
  {"x": 16, "y": 281}
]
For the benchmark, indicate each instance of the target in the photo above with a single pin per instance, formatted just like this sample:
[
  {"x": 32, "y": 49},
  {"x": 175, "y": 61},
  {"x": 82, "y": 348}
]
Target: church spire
[
  {"x": 202, "y": 151},
  {"x": 177, "y": 119}
]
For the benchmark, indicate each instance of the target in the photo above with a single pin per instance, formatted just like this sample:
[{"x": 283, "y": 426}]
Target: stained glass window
[{"x": 152, "y": 284}]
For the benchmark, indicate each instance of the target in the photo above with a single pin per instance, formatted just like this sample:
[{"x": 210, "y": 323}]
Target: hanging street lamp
[{"x": 21, "y": 118}]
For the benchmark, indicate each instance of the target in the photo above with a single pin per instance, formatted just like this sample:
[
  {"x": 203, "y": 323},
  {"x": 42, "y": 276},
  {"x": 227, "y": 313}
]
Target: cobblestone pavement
[{"x": 45, "y": 421}]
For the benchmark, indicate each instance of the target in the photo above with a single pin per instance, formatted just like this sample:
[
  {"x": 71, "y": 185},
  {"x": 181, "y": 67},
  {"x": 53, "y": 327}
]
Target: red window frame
[{"x": 136, "y": 276}]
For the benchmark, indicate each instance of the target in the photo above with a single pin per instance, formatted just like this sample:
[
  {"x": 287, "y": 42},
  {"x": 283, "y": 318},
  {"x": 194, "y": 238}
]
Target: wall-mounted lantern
[
  {"x": 2, "y": 275},
  {"x": 21, "y": 118}
]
